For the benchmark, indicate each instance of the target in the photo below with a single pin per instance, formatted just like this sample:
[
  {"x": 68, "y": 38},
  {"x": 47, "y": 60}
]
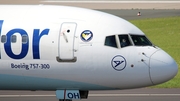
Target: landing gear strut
[{"x": 65, "y": 100}]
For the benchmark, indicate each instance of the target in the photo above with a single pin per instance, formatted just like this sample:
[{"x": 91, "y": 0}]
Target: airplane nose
[{"x": 162, "y": 67}]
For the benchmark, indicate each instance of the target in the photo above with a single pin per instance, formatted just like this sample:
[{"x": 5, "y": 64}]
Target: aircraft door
[{"x": 66, "y": 42}]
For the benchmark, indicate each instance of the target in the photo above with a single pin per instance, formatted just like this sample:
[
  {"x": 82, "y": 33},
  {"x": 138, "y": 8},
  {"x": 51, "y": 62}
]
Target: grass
[{"x": 165, "y": 33}]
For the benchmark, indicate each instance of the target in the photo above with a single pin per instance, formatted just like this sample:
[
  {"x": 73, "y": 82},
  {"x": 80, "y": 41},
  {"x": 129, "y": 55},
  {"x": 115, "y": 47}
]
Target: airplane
[{"x": 73, "y": 50}]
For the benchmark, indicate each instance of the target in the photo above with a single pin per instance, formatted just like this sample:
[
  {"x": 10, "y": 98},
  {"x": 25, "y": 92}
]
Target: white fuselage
[{"x": 57, "y": 47}]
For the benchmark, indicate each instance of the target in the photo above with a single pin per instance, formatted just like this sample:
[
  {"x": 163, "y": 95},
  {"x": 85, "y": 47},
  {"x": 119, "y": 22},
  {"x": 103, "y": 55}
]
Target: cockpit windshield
[
  {"x": 110, "y": 41},
  {"x": 124, "y": 40},
  {"x": 140, "y": 40}
]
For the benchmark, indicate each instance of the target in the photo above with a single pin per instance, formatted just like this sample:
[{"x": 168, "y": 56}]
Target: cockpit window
[
  {"x": 124, "y": 40},
  {"x": 140, "y": 40},
  {"x": 111, "y": 41}
]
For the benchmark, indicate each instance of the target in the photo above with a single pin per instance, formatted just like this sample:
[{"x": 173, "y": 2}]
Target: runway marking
[
  {"x": 88, "y": 1},
  {"x": 97, "y": 95}
]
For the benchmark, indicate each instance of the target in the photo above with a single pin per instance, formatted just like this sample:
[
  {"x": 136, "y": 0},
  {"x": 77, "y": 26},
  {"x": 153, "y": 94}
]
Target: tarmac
[
  {"x": 143, "y": 94},
  {"x": 127, "y": 10},
  {"x": 145, "y": 13},
  {"x": 104, "y": 4}
]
